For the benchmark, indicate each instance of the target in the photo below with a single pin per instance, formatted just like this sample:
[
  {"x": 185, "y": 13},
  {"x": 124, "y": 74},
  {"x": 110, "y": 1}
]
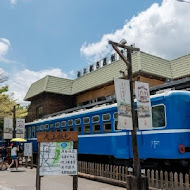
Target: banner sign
[
  {"x": 123, "y": 96},
  {"x": 28, "y": 149},
  {"x": 143, "y": 105},
  {"x": 8, "y": 128},
  {"x": 20, "y": 128},
  {"x": 58, "y": 158}
]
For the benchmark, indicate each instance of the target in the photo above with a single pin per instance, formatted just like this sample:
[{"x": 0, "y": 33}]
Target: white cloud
[
  {"x": 13, "y": 2},
  {"x": 162, "y": 30},
  {"x": 4, "y": 48},
  {"x": 20, "y": 82}
]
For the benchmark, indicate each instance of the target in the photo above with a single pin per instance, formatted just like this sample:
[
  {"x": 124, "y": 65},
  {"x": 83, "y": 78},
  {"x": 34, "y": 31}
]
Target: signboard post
[
  {"x": 57, "y": 155},
  {"x": 28, "y": 153}
]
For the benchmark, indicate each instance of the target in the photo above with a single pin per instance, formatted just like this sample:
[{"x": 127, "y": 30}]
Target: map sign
[{"x": 58, "y": 158}]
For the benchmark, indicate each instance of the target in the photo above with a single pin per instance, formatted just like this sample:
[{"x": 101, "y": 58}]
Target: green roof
[
  {"x": 141, "y": 61},
  {"x": 50, "y": 84}
]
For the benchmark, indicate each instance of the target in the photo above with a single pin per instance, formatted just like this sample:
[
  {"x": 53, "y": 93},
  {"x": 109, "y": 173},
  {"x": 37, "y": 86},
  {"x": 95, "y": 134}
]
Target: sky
[{"x": 60, "y": 37}]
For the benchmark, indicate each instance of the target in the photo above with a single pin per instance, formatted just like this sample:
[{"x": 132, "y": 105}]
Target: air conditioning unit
[
  {"x": 91, "y": 68},
  {"x": 79, "y": 74},
  {"x": 113, "y": 57},
  {"x": 105, "y": 62}
]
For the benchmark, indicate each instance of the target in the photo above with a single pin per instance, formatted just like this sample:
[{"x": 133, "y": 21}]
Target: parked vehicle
[{"x": 167, "y": 143}]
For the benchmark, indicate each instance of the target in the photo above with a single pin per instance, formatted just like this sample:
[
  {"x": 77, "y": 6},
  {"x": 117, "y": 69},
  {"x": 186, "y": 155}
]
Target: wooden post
[
  {"x": 26, "y": 161},
  {"x": 75, "y": 177},
  {"x": 31, "y": 162},
  {"x": 38, "y": 178}
]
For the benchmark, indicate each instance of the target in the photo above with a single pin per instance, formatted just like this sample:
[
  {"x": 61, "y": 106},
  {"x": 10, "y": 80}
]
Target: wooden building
[{"x": 53, "y": 94}]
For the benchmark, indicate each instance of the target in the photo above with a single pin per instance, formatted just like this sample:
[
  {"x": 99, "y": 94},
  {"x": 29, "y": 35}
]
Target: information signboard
[
  {"x": 57, "y": 155},
  {"x": 58, "y": 158},
  {"x": 8, "y": 128},
  {"x": 28, "y": 149},
  {"x": 143, "y": 105},
  {"x": 20, "y": 128},
  {"x": 123, "y": 96}
]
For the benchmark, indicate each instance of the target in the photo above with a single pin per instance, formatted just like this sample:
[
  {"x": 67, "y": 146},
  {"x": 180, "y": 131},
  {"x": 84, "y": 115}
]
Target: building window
[{"x": 39, "y": 112}]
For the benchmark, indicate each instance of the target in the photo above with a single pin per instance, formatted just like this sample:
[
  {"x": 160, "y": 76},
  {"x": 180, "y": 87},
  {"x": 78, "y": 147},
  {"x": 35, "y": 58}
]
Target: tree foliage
[{"x": 7, "y": 104}]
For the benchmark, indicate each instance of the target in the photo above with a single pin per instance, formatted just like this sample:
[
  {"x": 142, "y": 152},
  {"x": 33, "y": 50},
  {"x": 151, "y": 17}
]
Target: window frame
[
  {"x": 95, "y": 121},
  {"x": 85, "y": 130},
  {"x": 79, "y": 122},
  {"x": 63, "y": 125},
  {"x": 164, "y": 116},
  {"x": 107, "y": 131},
  {"x": 106, "y": 119},
  {"x": 56, "y": 127},
  {"x": 68, "y": 122},
  {"x": 86, "y": 118},
  {"x": 95, "y": 131}
]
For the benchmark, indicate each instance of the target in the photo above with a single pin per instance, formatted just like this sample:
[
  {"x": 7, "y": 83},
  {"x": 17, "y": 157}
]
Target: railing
[{"x": 156, "y": 179}]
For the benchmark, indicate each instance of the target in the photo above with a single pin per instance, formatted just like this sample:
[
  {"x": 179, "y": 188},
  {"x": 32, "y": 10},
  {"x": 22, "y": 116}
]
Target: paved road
[{"x": 25, "y": 180}]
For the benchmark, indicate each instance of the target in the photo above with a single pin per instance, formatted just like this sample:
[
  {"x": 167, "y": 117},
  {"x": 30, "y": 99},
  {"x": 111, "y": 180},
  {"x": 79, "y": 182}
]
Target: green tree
[{"x": 7, "y": 103}]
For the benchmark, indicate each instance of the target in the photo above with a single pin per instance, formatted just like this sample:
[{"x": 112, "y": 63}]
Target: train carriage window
[
  {"x": 158, "y": 116},
  {"x": 77, "y": 121},
  {"x": 57, "y": 125},
  {"x": 86, "y": 120},
  {"x": 64, "y": 129},
  {"x": 63, "y": 123},
  {"x": 46, "y": 127},
  {"x": 115, "y": 125},
  {"x": 78, "y": 128},
  {"x": 115, "y": 115},
  {"x": 96, "y": 128},
  {"x": 33, "y": 131},
  {"x": 107, "y": 127},
  {"x": 95, "y": 118},
  {"x": 29, "y": 132},
  {"x": 70, "y": 122},
  {"x": 41, "y": 127},
  {"x": 87, "y": 129},
  {"x": 71, "y": 129},
  {"x": 51, "y": 127},
  {"x": 106, "y": 117}
]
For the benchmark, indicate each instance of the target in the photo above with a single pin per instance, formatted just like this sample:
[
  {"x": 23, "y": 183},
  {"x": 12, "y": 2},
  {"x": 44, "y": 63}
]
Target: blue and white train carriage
[{"x": 99, "y": 139}]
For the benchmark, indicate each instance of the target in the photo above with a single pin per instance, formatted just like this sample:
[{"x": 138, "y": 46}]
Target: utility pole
[
  {"x": 14, "y": 121},
  {"x": 137, "y": 183}
]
